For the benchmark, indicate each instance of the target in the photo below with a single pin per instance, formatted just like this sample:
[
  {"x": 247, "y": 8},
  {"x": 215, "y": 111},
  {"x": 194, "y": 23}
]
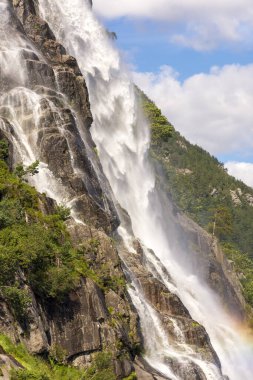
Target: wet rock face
[
  {"x": 51, "y": 98},
  {"x": 165, "y": 302},
  {"x": 79, "y": 317},
  {"x": 209, "y": 262},
  {"x": 182, "y": 332},
  {"x": 145, "y": 372},
  {"x": 89, "y": 320},
  {"x": 92, "y": 319},
  {"x": 186, "y": 371},
  {"x": 201, "y": 254}
]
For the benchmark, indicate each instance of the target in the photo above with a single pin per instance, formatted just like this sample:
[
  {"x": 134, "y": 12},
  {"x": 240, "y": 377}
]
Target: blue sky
[
  {"x": 194, "y": 59},
  {"x": 148, "y": 47}
]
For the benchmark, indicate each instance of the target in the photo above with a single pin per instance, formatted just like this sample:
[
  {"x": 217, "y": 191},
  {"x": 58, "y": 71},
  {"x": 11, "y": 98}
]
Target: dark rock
[
  {"x": 123, "y": 368},
  {"x": 169, "y": 307},
  {"x": 145, "y": 372},
  {"x": 186, "y": 370},
  {"x": 164, "y": 301},
  {"x": 74, "y": 325},
  {"x": 40, "y": 72}
]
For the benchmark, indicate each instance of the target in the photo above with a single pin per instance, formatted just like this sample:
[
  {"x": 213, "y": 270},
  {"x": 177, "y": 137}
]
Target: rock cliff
[{"x": 82, "y": 324}]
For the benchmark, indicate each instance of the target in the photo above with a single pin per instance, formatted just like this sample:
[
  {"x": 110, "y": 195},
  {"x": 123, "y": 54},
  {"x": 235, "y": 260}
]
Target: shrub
[
  {"x": 18, "y": 300},
  {"x": 4, "y": 149},
  {"x": 102, "y": 368}
]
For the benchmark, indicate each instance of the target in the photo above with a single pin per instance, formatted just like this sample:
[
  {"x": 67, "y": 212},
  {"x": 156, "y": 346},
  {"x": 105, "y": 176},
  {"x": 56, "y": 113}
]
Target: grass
[{"x": 37, "y": 368}]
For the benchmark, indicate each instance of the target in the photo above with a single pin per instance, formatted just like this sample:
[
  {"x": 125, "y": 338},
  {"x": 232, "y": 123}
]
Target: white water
[
  {"x": 25, "y": 108},
  {"x": 22, "y": 108},
  {"x": 122, "y": 137}
]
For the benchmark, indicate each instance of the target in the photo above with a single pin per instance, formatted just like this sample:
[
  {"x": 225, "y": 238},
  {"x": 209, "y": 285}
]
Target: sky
[{"x": 194, "y": 58}]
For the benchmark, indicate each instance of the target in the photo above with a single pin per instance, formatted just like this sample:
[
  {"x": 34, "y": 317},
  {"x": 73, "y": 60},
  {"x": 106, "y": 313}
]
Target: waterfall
[
  {"x": 122, "y": 138},
  {"x": 121, "y": 134}
]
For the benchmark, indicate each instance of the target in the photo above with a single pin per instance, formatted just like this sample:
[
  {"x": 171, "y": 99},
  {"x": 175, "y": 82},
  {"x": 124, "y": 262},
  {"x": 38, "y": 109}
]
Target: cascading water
[
  {"x": 28, "y": 112},
  {"x": 122, "y": 138}
]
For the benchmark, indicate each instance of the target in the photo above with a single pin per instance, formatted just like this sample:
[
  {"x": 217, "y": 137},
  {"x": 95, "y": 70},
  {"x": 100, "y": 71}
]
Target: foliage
[
  {"x": 63, "y": 212},
  {"x": 36, "y": 249},
  {"x": 100, "y": 272},
  {"x": 36, "y": 368},
  {"x": 244, "y": 267},
  {"x": 4, "y": 149},
  {"x": 57, "y": 354},
  {"x": 102, "y": 368},
  {"x": 19, "y": 300},
  {"x": 161, "y": 129},
  {"x": 27, "y": 375},
  {"x": 22, "y": 171},
  {"x": 43, "y": 252},
  {"x": 222, "y": 225}
]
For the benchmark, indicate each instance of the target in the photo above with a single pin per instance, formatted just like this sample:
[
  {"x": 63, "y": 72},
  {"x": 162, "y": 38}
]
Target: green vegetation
[
  {"x": 36, "y": 249},
  {"x": 102, "y": 368},
  {"x": 195, "y": 324},
  {"x": 201, "y": 187},
  {"x": 37, "y": 255},
  {"x": 133, "y": 376},
  {"x": 100, "y": 272},
  {"x": 161, "y": 129},
  {"x": 36, "y": 368},
  {"x": 243, "y": 265},
  {"x": 21, "y": 171}
]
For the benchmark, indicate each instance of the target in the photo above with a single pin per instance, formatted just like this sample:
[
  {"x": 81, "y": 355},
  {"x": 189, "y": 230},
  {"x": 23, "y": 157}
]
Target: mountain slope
[{"x": 201, "y": 187}]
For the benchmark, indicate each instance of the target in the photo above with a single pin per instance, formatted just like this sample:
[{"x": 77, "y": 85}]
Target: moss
[
  {"x": 62, "y": 212},
  {"x": 27, "y": 375},
  {"x": 132, "y": 376},
  {"x": 195, "y": 324},
  {"x": 111, "y": 310}
]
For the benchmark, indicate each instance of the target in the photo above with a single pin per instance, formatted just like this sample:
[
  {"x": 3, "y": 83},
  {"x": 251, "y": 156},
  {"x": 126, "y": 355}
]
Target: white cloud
[
  {"x": 241, "y": 170},
  {"x": 213, "y": 110},
  {"x": 200, "y": 24}
]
